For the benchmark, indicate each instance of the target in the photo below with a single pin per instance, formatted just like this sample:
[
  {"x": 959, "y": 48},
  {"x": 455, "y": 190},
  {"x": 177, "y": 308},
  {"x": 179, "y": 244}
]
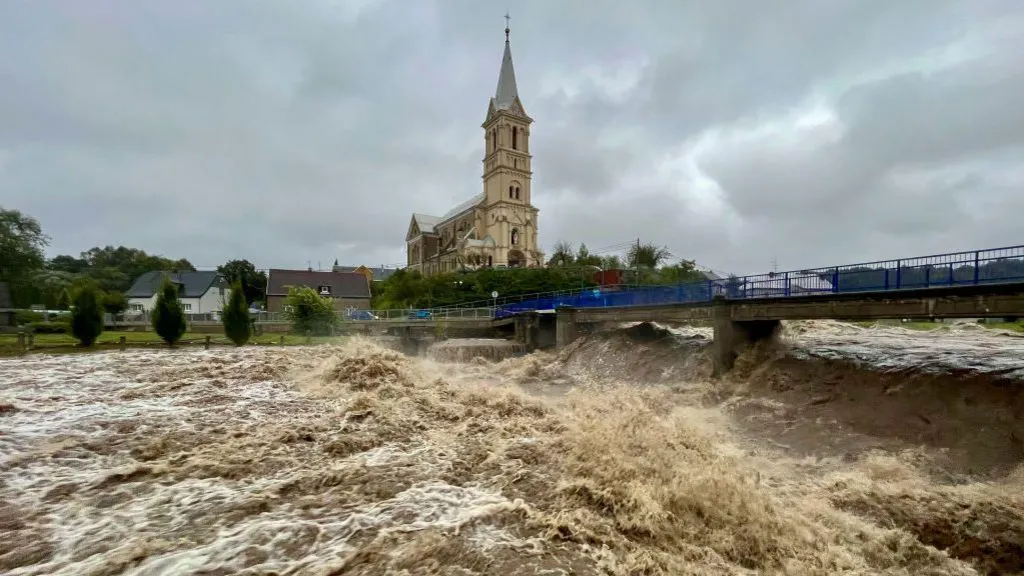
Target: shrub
[
  {"x": 309, "y": 312},
  {"x": 237, "y": 326},
  {"x": 63, "y": 300},
  {"x": 168, "y": 315},
  {"x": 115, "y": 303},
  {"x": 87, "y": 316},
  {"x": 48, "y": 327}
]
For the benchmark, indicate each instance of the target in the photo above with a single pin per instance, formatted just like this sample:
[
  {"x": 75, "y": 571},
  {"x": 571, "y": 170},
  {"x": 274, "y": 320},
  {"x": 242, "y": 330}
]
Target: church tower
[{"x": 510, "y": 218}]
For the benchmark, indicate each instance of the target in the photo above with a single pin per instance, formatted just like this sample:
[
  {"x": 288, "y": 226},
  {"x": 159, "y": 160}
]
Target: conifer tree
[
  {"x": 237, "y": 326},
  {"x": 87, "y": 316},
  {"x": 168, "y": 315}
]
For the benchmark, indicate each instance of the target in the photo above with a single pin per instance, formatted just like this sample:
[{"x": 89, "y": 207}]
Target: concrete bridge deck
[{"x": 739, "y": 323}]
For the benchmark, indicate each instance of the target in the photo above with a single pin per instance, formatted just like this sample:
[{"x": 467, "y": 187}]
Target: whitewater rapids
[{"x": 617, "y": 456}]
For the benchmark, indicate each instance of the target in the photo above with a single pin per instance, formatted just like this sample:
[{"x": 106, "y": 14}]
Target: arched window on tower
[
  {"x": 515, "y": 140},
  {"x": 515, "y": 237},
  {"x": 511, "y": 191},
  {"x": 494, "y": 140}
]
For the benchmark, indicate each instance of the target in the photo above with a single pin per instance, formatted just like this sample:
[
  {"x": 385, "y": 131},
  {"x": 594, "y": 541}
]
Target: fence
[
  {"x": 143, "y": 319},
  {"x": 993, "y": 266}
]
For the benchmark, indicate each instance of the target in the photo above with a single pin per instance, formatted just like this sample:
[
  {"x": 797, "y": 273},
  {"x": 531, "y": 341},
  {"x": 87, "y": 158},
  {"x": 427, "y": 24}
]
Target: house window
[
  {"x": 490, "y": 261},
  {"x": 187, "y": 307},
  {"x": 324, "y": 290},
  {"x": 136, "y": 307},
  {"x": 515, "y": 236}
]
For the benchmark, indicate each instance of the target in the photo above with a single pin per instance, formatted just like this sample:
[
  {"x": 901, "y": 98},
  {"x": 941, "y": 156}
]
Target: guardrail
[{"x": 992, "y": 266}]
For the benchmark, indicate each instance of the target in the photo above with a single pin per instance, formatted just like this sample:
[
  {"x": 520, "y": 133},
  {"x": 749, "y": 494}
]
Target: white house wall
[{"x": 212, "y": 301}]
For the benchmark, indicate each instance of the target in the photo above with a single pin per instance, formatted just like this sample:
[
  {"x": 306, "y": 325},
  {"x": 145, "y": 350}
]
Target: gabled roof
[
  {"x": 378, "y": 273},
  {"x": 190, "y": 284},
  {"x": 426, "y": 222},
  {"x": 462, "y": 207},
  {"x": 343, "y": 284}
]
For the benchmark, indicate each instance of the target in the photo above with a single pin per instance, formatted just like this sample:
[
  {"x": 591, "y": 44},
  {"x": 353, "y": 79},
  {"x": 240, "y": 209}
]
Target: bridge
[{"x": 973, "y": 284}]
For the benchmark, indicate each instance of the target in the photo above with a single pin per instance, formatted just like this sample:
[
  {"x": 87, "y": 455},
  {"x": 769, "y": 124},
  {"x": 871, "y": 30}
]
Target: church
[{"x": 497, "y": 227}]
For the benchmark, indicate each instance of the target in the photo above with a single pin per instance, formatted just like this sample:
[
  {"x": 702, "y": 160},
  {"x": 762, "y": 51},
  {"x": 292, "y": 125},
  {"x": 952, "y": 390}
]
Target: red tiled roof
[{"x": 343, "y": 284}]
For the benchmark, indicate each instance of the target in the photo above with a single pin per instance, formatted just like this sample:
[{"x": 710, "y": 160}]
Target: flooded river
[{"x": 842, "y": 450}]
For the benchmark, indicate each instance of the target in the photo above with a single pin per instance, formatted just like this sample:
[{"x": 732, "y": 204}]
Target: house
[
  {"x": 378, "y": 274},
  {"x": 199, "y": 292},
  {"x": 496, "y": 228},
  {"x": 347, "y": 289}
]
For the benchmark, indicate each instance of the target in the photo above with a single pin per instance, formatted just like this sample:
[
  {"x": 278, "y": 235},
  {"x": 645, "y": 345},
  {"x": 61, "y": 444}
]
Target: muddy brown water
[{"x": 843, "y": 450}]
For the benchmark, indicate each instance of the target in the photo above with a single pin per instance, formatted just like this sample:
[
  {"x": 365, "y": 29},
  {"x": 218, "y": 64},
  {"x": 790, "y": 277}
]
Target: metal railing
[{"x": 992, "y": 266}]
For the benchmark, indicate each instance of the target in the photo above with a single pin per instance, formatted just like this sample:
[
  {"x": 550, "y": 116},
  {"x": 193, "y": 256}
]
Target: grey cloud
[{"x": 285, "y": 132}]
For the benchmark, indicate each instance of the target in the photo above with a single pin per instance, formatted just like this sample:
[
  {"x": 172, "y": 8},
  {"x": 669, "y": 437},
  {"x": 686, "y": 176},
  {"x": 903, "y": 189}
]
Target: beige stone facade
[{"x": 497, "y": 227}]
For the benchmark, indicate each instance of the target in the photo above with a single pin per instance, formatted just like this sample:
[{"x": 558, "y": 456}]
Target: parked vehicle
[
  {"x": 362, "y": 315},
  {"x": 419, "y": 315}
]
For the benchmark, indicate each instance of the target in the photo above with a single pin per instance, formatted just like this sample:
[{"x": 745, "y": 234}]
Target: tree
[
  {"x": 114, "y": 269},
  {"x": 585, "y": 258},
  {"x": 87, "y": 315},
  {"x": 21, "y": 252},
  {"x": 684, "y": 272},
  {"x": 115, "y": 303},
  {"x": 254, "y": 282},
  {"x": 168, "y": 315},
  {"x": 562, "y": 254},
  {"x": 63, "y": 300},
  {"x": 647, "y": 255},
  {"x": 611, "y": 262},
  {"x": 237, "y": 326},
  {"x": 309, "y": 312}
]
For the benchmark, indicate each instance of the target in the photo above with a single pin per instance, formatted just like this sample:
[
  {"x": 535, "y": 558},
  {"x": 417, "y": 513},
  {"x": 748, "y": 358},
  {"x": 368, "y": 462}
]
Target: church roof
[
  {"x": 426, "y": 223},
  {"x": 506, "y": 93},
  {"x": 459, "y": 209}
]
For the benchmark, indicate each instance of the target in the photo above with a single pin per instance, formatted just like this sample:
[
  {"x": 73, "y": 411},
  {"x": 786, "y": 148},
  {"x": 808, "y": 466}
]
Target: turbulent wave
[{"x": 618, "y": 455}]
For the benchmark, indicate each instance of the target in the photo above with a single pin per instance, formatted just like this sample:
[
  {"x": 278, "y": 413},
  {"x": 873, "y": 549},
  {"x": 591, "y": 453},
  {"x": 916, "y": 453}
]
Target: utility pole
[
  {"x": 775, "y": 264},
  {"x": 636, "y": 263}
]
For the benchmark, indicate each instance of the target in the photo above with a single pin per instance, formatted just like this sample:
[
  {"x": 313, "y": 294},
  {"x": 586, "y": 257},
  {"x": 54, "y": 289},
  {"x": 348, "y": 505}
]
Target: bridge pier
[
  {"x": 526, "y": 326},
  {"x": 731, "y": 338},
  {"x": 565, "y": 326}
]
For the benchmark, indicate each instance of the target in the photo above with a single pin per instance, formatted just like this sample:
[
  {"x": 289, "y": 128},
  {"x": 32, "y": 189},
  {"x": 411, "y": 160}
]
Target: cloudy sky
[{"x": 734, "y": 132}]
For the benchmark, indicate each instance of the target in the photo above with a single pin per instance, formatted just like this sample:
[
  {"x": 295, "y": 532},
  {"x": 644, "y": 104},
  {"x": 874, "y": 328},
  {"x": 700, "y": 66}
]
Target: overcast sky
[{"x": 735, "y": 131}]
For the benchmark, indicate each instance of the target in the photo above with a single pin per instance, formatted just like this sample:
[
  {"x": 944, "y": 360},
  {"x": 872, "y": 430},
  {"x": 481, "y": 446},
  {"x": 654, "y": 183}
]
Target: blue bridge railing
[{"x": 992, "y": 266}]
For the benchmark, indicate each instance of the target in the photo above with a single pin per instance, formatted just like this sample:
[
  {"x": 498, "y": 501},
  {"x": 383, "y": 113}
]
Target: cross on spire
[{"x": 507, "y": 18}]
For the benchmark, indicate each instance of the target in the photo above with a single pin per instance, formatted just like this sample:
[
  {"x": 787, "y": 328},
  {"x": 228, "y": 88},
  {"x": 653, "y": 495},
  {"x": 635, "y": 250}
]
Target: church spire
[{"x": 506, "y": 92}]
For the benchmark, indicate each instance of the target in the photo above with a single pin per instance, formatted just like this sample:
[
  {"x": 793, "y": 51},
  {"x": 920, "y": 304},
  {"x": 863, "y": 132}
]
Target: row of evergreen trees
[{"x": 168, "y": 316}]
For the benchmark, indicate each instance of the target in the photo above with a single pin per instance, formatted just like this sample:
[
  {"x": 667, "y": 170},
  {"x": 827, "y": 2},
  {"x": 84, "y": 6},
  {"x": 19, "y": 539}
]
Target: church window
[
  {"x": 517, "y": 192},
  {"x": 511, "y": 191},
  {"x": 515, "y": 237},
  {"x": 515, "y": 133}
]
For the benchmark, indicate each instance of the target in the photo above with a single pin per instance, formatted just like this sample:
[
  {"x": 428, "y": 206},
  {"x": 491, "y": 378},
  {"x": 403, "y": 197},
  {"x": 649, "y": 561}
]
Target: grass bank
[{"x": 111, "y": 340}]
